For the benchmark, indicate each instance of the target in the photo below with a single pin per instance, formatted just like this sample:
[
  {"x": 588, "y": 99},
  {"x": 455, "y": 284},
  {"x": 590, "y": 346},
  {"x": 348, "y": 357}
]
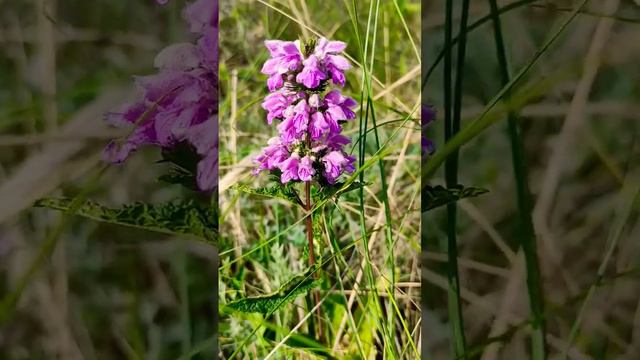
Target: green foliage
[
  {"x": 179, "y": 176},
  {"x": 183, "y": 162},
  {"x": 268, "y": 304},
  {"x": 282, "y": 192},
  {"x": 181, "y": 217},
  {"x": 336, "y": 190},
  {"x": 436, "y": 196}
]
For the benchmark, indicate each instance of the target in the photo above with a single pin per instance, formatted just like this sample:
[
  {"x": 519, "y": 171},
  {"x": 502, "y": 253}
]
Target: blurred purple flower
[
  {"x": 428, "y": 116},
  {"x": 179, "y": 103}
]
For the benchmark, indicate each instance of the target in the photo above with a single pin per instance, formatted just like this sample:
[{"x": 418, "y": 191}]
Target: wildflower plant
[
  {"x": 308, "y": 111},
  {"x": 309, "y": 147}
]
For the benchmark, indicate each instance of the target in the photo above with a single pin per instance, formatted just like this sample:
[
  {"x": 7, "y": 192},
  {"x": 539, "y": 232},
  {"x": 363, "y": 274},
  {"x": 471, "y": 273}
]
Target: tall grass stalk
[
  {"x": 452, "y": 126},
  {"x": 366, "y": 93},
  {"x": 526, "y": 231},
  {"x": 383, "y": 182}
]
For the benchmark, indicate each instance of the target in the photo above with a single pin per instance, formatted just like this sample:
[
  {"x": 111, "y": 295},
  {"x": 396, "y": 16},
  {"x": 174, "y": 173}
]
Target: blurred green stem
[
  {"x": 452, "y": 126},
  {"x": 525, "y": 227}
]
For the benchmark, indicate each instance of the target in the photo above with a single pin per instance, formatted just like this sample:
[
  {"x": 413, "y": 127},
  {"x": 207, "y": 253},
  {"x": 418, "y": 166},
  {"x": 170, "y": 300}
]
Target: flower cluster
[
  {"x": 310, "y": 142},
  {"x": 179, "y": 103}
]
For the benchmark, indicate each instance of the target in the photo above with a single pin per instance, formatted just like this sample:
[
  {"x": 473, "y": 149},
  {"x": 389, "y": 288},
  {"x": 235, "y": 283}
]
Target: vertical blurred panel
[
  {"x": 530, "y": 180},
  {"x": 108, "y": 179},
  {"x": 319, "y": 183}
]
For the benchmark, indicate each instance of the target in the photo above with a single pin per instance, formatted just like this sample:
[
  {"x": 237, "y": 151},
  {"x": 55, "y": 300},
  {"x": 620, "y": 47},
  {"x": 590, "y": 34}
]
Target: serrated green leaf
[
  {"x": 268, "y": 304},
  {"x": 282, "y": 192},
  {"x": 436, "y": 196},
  {"x": 179, "y": 218}
]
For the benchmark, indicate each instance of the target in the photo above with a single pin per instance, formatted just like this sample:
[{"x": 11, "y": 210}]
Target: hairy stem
[{"x": 312, "y": 259}]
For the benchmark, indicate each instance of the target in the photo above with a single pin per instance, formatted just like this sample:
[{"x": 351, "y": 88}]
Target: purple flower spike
[{"x": 310, "y": 144}]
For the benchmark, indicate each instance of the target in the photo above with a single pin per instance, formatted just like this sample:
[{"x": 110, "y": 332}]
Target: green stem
[
  {"x": 526, "y": 230},
  {"x": 452, "y": 126}
]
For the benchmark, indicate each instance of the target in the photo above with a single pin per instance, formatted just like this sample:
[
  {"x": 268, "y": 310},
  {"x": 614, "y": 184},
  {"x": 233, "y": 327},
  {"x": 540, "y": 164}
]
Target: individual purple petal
[
  {"x": 339, "y": 62},
  {"x": 324, "y": 47},
  {"x": 203, "y": 136},
  {"x": 333, "y": 164},
  {"x": 127, "y": 115},
  {"x": 311, "y": 75},
  {"x": 337, "y": 141},
  {"x": 275, "y": 82},
  {"x": 318, "y": 126},
  {"x": 289, "y": 168},
  {"x": 335, "y": 46},
  {"x": 305, "y": 169},
  {"x": 315, "y": 101},
  {"x": 275, "y": 104},
  {"x": 208, "y": 46},
  {"x": 349, "y": 164}
]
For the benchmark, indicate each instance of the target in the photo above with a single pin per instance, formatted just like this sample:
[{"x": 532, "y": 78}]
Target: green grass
[{"x": 525, "y": 229}]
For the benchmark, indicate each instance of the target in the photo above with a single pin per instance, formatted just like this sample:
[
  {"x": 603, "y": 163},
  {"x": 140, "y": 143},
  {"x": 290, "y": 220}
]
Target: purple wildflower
[
  {"x": 179, "y": 103},
  {"x": 309, "y": 128}
]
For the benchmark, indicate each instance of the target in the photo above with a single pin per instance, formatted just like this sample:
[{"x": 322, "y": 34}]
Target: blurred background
[
  {"x": 73, "y": 288},
  {"x": 580, "y": 128}
]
